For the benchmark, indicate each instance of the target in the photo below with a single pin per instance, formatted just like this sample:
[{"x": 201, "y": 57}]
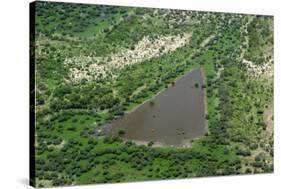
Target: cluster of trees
[
  {"x": 89, "y": 96},
  {"x": 134, "y": 84},
  {"x": 64, "y": 167},
  {"x": 70, "y": 18},
  {"x": 260, "y": 32}
]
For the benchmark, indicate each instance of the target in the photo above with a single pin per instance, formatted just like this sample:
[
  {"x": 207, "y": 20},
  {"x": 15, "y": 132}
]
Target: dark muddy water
[{"x": 175, "y": 116}]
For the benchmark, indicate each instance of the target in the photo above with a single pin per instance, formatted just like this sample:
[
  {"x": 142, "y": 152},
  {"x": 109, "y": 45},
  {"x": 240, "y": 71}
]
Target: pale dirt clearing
[
  {"x": 92, "y": 67},
  {"x": 256, "y": 71},
  {"x": 268, "y": 118},
  {"x": 207, "y": 40}
]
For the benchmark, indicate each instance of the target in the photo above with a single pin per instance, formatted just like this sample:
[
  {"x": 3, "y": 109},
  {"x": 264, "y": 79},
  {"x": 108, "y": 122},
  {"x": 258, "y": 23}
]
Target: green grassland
[{"x": 68, "y": 114}]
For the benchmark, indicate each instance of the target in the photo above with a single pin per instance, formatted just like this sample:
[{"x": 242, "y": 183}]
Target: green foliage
[{"x": 70, "y": 145}]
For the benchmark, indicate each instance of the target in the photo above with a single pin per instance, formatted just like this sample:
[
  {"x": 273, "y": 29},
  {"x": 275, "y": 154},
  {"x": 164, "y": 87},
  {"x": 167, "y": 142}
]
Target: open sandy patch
[{"x": 93, "y": 68}]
